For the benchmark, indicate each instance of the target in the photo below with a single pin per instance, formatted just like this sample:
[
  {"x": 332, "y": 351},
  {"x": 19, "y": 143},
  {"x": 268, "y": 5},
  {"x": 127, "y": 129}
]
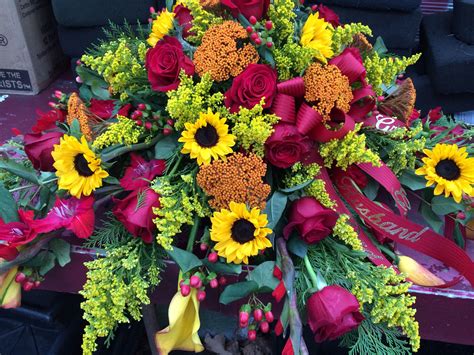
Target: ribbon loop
[
  {"x": 284, "y": 107},
  {"x": 307, "y": 118},
  {"x": 321, "y": 134},
  {"x": 293, "y": 87}
]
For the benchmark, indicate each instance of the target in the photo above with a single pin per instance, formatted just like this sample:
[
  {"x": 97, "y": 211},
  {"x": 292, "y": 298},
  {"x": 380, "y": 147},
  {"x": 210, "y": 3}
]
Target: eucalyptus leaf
[
  {"x": 298, "y": 247},
  {"x": 431, "y": 218},
  {"x": 413, "y": 181},
  {"x": 223, "y": 268},
  {"x": 275, "y": 208},
  {"x": 297, "y": 187},
  {"x": 443, "y": 206},
  {"x": 263, "y": 276},
  {"x": 237, "y": 291},
  {"x": 165, "y": 147},
  {"x": 22, "y": 171},
  {"x": 61, "y": 250},
  {"x": 8, "y": 207},
  {"x": 371, "y": 189},
  {"x": 185, "y": 260},
  {"x": 48, "y": 263}
]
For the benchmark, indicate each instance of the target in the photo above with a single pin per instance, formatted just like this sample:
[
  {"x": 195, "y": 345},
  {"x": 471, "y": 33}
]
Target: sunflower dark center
[
  {"x": 242, "y": 231},
  {"x": 82, "y": 166},
  {"x": 448, "y": 169},
  {"x": 206, "y": 136}
]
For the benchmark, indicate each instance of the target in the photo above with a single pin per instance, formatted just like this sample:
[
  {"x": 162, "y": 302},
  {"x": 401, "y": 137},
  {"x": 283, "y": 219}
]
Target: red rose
[
  {"x": 136, "y": 213},
  {"x": 105, "y": 108},
  {"x": 247, "y": 8},
  {"x": 38, "y": 148},
  {"x": 21, "y": 232},
  {"x": 287, "y": 145},
  {"x": 47, "y": 120},
  {"x": 328, "y": 15},
  {"x": 358, "y": 176},
  {"x": 312, "y": 221},
  {"x": 185, "y": 19},
  {"x": 250, "y": 86},
  {"x": 164, "y": 63},
  {"x": 140, "y": 172},
  {"x": 332, "y": 312}
]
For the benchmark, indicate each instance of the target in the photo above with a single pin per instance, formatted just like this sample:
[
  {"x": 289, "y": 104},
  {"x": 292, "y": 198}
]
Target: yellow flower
[
  {"x": 450, "y": 169},
  {"x": 184, "y": 323},
  {"x": 10, "y": 290},
  {"x": 77, "y": 167},
  {"x": 239, "y": 233},
  {"x": 417, "y": 273},
  {"x": 162, "y": 25},
  {"x": 207, "y": 138},
  {"x": 317, "y": 34}
]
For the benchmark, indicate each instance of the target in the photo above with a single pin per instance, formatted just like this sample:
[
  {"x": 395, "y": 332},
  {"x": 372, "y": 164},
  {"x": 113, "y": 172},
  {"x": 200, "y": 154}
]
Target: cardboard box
[{"x": 30, "y": 54}]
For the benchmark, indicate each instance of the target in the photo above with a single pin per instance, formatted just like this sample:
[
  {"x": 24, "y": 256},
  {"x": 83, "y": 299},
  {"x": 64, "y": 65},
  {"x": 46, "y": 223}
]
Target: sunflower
[
  {"x": 450, "y": 169},
  {"x": 239, "y": 233},
  {"x": 77, "y": 167},
  {"x": 317, "y": 34},
  {"x": 162, "y": 25},
  {"x": 207, "y": 138}
]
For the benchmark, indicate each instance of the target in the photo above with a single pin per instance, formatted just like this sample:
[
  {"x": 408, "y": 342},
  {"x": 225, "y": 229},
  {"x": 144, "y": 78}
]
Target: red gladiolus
[
  {"x": 328, "y": 15},
  {"x": 76, "y": 215},
  {"x": 435, "y": 114},
  {"x": 136, "y": 213},
  {"x": 141, "y": 172},
  {"x": 332, "y": 312},
  {"x": 312, "y": 221},
  {"x": 279, "y": 291},
  {"x": 185, "y": 19},
  {"x": 105, "y": 108},
  {"x": 47, "y": 120},
  {"x": 19, "y": 233}
]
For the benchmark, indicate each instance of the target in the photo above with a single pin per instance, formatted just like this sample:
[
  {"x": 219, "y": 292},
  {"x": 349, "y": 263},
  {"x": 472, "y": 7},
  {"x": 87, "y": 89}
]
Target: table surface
[{"x": 444, "y": 314}]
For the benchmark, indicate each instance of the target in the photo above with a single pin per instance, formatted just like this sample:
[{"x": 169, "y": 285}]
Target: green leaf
[
  {"x": 99, "y": 91},
  {"x": 237, "y": 291},
  {"x": 458, "y": 237},
  {"x": 8, "y": 207},
  {"x": 169, "y": 5},
  {"x": 263, "y": 276},
  {"x": 413, "y": 181},
  {"x": 165, "y": 147},
  {"x": 22, "y": 171},
  {"x": 275, "y": 208},
  {"x": 75, "y": 129},
  {"x": 297, "y": 187},
  {"x": 380, "y": 46},
  {"x": 185, "y": 260},
  {"x": 111, "y": 180},
  {"x": 297, "y": 246},
  {"x": 443, "y": 206},
  {"x": 61, "y": 250},
  {"x": 47, "y": 263},
  {"x": 223, "y": 268},
  {"x": 372, "y": 189},
  {"x": 85, "y": 92},
  {"x": 431, "y": 218}
]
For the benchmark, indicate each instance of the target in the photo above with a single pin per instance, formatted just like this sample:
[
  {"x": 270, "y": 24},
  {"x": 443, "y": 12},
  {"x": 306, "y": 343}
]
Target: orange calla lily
[{"x": 184, "y": 323}]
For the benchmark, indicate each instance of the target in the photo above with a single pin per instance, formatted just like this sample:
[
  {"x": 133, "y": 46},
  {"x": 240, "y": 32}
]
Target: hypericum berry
[
  {"x": 243, "y": 317},
  {"x": 195, "y": 281},
  {"x": 170, "y": 122},
  {"x": 314, "y": 8},
  {"x": 254, "y": 36},
  {"x": 213, "y": 283},
  {"x": 20, "y": 277},
  {"x": 252, "y": 335},
  {"x": 167, "y": 131},
  {"x": 152, "y": 10},
  {"x": 28, "y": 285},
  {"x": 78, "y": 62},
  {"x": 269, "y": 316},
  {"x": 213, "y": 257},
  {"x": 222, "y": 281},
  {"x": 203, "y": 246},
  {"x": 185, "y": 290},
  {"x": 139, "y": 122},
  {"x": 141, "y": 107},
  {"x": 253, "y": 20},
  {"x": 37, "y": 283},
  {"x": 461, "y": 215},
  {"x": 243, "y": 325},
  {"x": 78, "y": 79},
  {"x": 249, "y": 29},
  {"x": 52, "y": 104},
  {"x": 269, "y": 44},
  {"x": 264, "y": 327},
  {"x": 58, "y": 94},
  {"x": 201, "y": 295},
  {"x": 258, "y": 314},
  {"x": 148, "y": 125},
  {"x": 258, "y": 41},
  {"x": 269, "y": 25},
  {"x": 381, "y": 98}
]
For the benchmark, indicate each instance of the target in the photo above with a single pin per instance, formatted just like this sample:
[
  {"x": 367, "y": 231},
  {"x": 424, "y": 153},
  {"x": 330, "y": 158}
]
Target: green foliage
[
  {"x": 202, "y": 19},
  {"x": 185, "y": 259},
  {"x": 291, "y": 60},
  {"x": 237, "y": 291},
  {"x": 166, "y": 147},
  {"x": 282, "y": 15},
  {"x": 8, "y": 207},
  {"x": 275, "y": 208}
]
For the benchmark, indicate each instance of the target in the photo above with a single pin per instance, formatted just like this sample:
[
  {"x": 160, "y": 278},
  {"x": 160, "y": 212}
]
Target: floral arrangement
[{"x": 261, "y": 146}]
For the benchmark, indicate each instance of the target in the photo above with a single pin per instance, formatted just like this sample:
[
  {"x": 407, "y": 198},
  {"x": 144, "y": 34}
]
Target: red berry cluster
[
  {"x": 199, "y": 281},
  {"x": 262, "y": 317},
  {"x": 151, "y": 121},
  {"x": 28, "y": 280},
  {"x": 260, "y": 33}
]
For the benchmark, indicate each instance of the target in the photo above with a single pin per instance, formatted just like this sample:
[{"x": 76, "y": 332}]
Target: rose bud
[
  {"x": 185, "y": 290},
  {"x": 252, "y": 335},
  {"x": 417, "y": 273},
  {"x": 332, "y": 312},
  {"x": 264, "y": 327},
  {"x": 258, "y": 314},
  {"x": 213, "y": 257}
]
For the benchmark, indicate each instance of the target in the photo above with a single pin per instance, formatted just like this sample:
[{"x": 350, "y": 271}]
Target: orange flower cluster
[
  {"x": 224, "y": 52},
  {"x": 76, "y": 109},
  {"x": 326, "y": 87},
  {"x": 211, "y": 5},
  {"x": 401, "y": 102},
  {"x": 238, "y": 179},
  {"x": 361, "y": 42}
]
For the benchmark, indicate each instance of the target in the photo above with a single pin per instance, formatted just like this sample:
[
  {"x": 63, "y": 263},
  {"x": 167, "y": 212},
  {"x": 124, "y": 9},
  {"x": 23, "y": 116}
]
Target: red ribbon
[
  {"x": 405, "y": 232},
  {"x": 322, "y": 134}
]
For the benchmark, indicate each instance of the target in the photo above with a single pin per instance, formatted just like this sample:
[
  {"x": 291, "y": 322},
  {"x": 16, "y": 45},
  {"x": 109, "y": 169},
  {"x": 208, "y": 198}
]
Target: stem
[
  {"x": 312, "y": 274},
  {"x": 193, "y": 233},
  {"x": 140, "y": 146},
  {"x": 22, "y": 187},
  {"x": 176, "y": 165}
]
